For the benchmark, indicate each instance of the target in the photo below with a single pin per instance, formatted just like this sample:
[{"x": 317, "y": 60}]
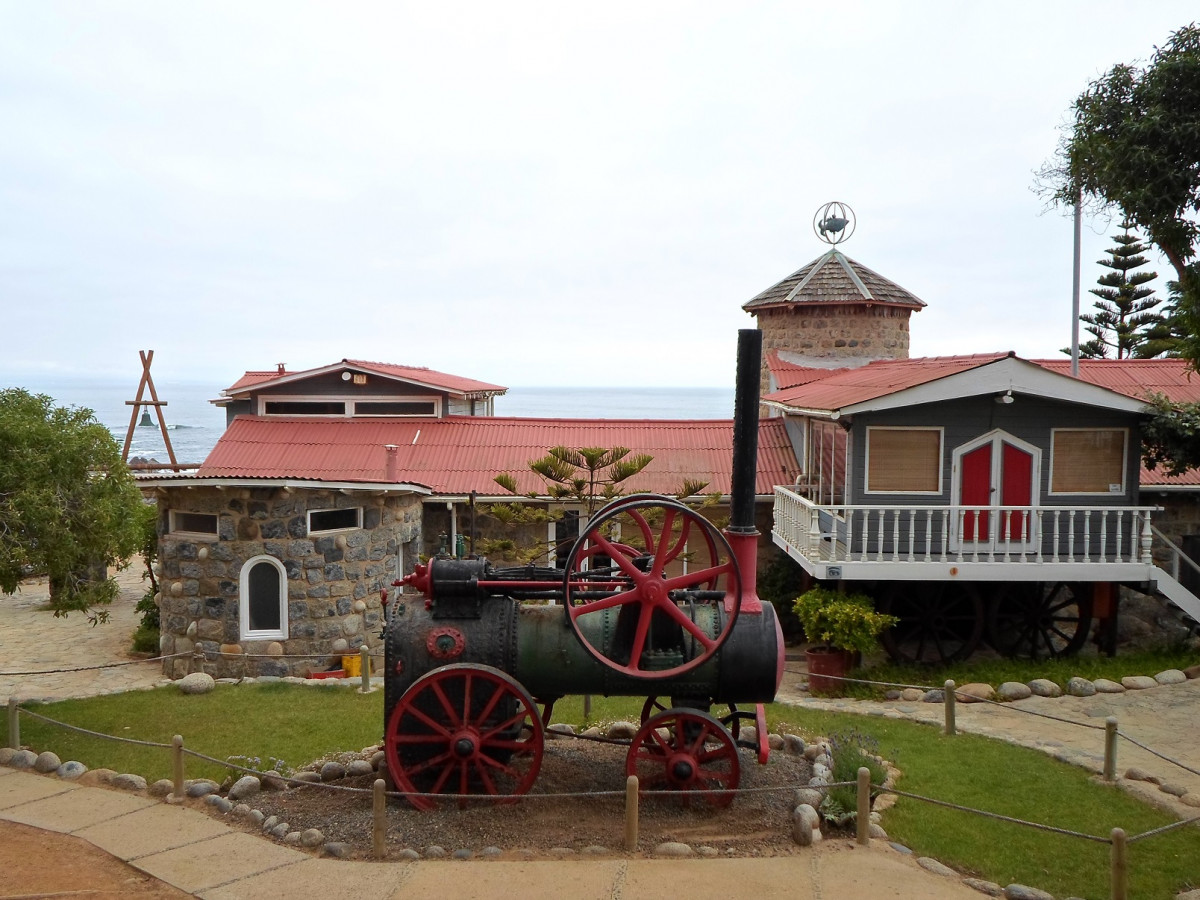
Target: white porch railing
[{"x": 844, "y": 533}]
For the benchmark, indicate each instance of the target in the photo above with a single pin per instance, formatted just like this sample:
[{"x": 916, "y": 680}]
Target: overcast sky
[{"x": 547, "y": 194}]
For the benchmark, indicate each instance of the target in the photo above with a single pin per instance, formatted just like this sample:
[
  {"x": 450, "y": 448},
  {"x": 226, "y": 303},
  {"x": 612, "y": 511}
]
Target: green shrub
[
  {"x": 846, "y": 621},
  {"x": 851, "y": 750}
]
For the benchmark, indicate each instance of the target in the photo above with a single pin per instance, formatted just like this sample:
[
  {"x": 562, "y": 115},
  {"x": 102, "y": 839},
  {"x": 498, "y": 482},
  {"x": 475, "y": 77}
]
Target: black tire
[
  {"x": 1040, "y": 620},
  {"x": 940, "y": 621}
]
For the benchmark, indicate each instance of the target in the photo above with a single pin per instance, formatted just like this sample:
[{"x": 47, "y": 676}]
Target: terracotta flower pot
[{"x": 824, "y": 663}]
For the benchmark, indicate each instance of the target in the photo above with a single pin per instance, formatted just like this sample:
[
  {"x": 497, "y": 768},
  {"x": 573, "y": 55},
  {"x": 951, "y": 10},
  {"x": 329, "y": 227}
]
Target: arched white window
[{"x": 263, "y": 610}]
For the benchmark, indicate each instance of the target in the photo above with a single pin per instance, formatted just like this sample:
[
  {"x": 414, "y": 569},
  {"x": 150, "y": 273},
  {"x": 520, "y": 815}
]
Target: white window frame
[
  {"x": 350, "y": 405},
  {"x": 356, "y": 527},
  {"x": 279, "y": 634},
  {"x": 175, "y": 530},
  {"x": 1109, "y": 493},
  {"x": 435, "y": 401},
  {"x": 941, "y": 461}
]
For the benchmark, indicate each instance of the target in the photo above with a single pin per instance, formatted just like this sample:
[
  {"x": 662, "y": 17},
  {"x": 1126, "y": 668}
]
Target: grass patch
[
  {"x": 268, "y": 721},
  {"x": 997, "y": 671},
  {"x": 301, "y": 724}
]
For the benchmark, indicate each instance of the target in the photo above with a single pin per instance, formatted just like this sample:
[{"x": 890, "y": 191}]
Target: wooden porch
[{"x": 998, "y": 543}]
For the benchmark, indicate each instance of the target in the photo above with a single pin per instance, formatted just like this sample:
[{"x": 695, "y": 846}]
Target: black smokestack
[{"x": 745, "y": 431}]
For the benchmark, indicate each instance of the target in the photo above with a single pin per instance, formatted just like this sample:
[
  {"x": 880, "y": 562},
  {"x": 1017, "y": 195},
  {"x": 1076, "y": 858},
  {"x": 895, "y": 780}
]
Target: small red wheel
[
  {"x": 732, "y": 720},
  {"x": 634, "y": 615},
  {"x": 464, "y": 729},
  {"x": 685, "y": 750}
]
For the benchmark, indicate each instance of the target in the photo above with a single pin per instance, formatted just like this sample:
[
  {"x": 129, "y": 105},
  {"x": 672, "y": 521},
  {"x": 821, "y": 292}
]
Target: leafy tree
[
  {"x": 69, "y": 507},
  {"x": 1125, "y": 324},
  {"x": 1135, "y": 145},
  {"x": 588, "y": 475},
  {"x": 1172, "y": 436}
]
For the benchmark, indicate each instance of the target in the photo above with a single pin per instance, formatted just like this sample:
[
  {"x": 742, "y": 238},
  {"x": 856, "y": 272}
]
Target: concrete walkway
[
  {"x": 33, "y": 640},
  {"x": 202, "y": 856}
]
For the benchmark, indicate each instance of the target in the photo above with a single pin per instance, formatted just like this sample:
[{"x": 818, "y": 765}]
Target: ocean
[{"x": 194, "y": 424}]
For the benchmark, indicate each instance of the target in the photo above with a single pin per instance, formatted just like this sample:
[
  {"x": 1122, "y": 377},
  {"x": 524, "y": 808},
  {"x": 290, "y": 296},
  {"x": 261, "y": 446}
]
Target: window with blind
[
  {"x": 1088, "y": 460},
  {"x": 904, "y": 460}
]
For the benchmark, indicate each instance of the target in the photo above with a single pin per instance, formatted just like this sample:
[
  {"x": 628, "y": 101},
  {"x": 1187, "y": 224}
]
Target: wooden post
[
  {"x": 14, "y": 722},
  {"x": 148, "y": 382},
  {"x": 587, "y": 707},
  {"x": 364, "y": 658},
  {"x": 864, "y": 806},
  {"x": 1110, "y": 748},
  {"x": 177, "y": 768},
  {"x": 631, "y": 813},
  {"x": 949, "y": 692},
  {"x": 1119, "y": 887},
  {"x": 379, "y": 827}
]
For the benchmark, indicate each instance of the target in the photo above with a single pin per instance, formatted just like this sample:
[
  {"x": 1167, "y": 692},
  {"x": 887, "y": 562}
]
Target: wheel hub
[
  {"x": 464, "y": 746},
  {"x": 682, "y": 769}
]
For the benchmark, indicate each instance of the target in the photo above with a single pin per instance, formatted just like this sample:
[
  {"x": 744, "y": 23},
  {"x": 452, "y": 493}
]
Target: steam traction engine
[{"x": 654, "y": 601}]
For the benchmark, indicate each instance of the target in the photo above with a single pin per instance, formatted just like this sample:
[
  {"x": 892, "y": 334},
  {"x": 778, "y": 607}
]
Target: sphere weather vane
[{"x": 834, "y": 222}]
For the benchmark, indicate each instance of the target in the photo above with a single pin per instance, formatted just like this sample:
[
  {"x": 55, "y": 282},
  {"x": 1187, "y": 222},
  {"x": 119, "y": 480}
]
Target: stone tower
[{"x": 832, "y": 313}]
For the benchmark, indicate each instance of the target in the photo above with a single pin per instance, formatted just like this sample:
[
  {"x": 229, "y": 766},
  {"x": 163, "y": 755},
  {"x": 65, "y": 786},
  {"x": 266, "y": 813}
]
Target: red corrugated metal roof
[
  {"x": 1135, "y": 377},
  {"x": 790, "y": 374},
  {"x": 453, "y": 383},
  {"x": 842, "y": 387},
  {"x": 459, "y": 454}
]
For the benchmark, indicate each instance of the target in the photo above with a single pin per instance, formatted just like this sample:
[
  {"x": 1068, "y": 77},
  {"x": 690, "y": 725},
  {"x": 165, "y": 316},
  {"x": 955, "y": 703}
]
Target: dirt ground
[
  {"x": 755, "y": 824},
  {"x": 38, "y": 863}
]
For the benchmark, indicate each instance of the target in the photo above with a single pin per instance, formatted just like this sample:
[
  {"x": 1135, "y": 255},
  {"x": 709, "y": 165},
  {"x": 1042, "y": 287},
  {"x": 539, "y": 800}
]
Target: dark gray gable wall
[{"x": 1027, "y": 418}]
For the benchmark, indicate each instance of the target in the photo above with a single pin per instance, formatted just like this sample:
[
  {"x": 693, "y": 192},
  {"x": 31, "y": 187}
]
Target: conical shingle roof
[{"x": 834, "y": 278}]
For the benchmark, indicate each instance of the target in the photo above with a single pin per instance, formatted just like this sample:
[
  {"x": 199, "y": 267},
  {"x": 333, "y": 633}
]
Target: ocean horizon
[{"x": 195, "y": 425}]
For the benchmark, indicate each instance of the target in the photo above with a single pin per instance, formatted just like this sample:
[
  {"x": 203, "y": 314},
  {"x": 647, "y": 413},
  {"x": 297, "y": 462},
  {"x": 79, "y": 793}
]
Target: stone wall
[
  {"x": 832, "y": 332},
  {"x": 333, "y": 580}
]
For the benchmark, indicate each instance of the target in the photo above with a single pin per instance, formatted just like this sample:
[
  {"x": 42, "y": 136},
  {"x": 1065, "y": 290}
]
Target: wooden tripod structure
[{"x": 138, "y": 403}]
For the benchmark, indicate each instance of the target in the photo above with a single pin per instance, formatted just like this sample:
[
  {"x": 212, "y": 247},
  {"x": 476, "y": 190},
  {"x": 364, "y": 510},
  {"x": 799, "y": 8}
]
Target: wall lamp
[{"x": 1006, "y": 397}]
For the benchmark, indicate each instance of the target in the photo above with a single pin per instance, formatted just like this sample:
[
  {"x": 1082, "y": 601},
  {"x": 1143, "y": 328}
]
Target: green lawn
[{"x": 300, "y": 724}]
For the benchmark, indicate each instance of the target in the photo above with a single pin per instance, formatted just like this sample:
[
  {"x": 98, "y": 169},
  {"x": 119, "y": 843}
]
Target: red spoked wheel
[
  {"x": 685, "y": 750},
  {"x": 669, "y": 617},
  {"x": 464, "y": 729},
  {"x": 732, "y": 721}
]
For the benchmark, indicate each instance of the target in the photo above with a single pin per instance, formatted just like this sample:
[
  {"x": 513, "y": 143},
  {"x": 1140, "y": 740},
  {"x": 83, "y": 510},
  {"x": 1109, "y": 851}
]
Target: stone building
[{"x": 833, "y": 312}]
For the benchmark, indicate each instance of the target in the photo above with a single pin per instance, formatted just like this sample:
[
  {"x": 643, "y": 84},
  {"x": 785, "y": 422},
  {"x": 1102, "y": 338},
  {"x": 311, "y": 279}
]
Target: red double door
[{"x": 993, "y": 477}]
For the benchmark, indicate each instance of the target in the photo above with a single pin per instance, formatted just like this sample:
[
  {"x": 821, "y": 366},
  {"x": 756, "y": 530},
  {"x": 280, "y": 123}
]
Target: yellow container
[{"x": 352, "y": 666}]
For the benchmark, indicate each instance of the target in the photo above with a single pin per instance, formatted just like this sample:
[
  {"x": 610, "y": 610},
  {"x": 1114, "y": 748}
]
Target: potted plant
[{"x": 840, "y": 626}]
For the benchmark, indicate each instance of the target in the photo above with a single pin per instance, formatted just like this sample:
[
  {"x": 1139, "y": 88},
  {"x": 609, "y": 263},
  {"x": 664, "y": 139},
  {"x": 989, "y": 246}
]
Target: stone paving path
[
  {"x": 32, "y": 639},
  {"x": 1164, "y": 718}
]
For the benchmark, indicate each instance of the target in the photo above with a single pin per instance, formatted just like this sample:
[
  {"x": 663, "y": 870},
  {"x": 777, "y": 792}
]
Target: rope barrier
[
  {"x": 1162, "y": 829},
  {"x": 129, "y": 662},
  {"x": 1002, "y": 818},
  {"x": 1161, "y": 756},
  {"x": 593, "y": 795},
  {"x": 96, "y": 734}
]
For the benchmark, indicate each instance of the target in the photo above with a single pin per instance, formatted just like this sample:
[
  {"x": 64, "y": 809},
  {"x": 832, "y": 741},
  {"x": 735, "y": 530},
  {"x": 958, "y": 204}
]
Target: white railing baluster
[{"x": 875, "y": 533}]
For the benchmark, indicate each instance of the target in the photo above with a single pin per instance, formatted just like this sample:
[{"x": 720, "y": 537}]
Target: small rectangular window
[
  {"x": 304, "y": 407},
  {"x": 193, "y": 523},
  {"x": 904, "y": 460},
  {"x": 1087, "y": 460},
  {"x": 320, "y": 520},
  {"x": 395, "y": 408}
]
